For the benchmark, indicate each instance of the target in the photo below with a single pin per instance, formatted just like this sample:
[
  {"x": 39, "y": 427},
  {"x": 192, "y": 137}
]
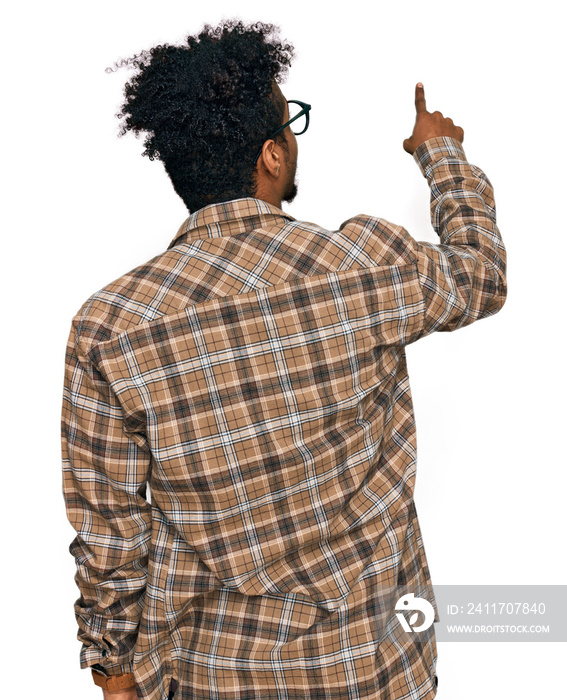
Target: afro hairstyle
[{"x": 207, "y": 106}]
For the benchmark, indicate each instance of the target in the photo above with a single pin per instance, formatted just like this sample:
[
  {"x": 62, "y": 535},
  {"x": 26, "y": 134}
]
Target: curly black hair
[{"x": 208, "y": 106}]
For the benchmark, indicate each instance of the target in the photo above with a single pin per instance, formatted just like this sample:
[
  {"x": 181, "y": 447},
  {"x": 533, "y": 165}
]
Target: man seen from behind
[{"x": 238, "y": 432}]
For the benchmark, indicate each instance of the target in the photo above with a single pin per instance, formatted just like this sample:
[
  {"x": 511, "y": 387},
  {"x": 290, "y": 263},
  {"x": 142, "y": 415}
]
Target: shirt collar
[{"x": 229, "y": 219}]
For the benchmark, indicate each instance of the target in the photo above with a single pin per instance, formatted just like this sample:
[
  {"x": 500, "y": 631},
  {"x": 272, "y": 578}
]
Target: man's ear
[{"x": 270, "y": 158}]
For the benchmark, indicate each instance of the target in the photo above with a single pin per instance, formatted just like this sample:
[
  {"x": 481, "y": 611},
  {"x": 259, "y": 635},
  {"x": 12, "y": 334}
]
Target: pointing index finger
[{"x": 420, "y": 98}]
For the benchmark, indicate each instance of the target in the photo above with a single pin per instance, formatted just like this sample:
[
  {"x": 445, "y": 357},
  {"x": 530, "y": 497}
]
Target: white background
[{"x": 81, "y": 207}]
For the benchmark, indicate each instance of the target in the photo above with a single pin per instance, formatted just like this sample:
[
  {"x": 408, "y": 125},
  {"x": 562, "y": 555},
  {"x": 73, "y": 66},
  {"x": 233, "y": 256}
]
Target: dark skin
[
  {"x": 275, "y": 170},
  {"x": 275, "y": 173},
  {"x": 429, "y": 125}
]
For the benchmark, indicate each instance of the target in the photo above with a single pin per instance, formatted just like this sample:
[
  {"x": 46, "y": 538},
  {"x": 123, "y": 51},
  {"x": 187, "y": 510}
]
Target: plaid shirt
[{"x": 239, "y": 446}]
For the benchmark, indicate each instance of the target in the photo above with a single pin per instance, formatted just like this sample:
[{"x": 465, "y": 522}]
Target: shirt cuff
[
  {"x": 93, "y": 656},
  {"x": 436, "y": 149}
]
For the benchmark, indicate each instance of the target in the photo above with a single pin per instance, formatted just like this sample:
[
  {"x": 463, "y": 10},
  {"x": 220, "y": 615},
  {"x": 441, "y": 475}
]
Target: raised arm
[{"x": 463, "y": 278}]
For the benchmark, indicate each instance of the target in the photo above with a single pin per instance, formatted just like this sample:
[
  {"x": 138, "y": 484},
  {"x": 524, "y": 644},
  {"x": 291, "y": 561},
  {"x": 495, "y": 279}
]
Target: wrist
[
  {"x": 130, "y": 694},
  {"x": 112, "y": 684}
]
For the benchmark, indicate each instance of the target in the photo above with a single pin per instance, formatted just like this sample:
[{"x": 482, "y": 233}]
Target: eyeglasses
[{"x": 298, "y": 111}]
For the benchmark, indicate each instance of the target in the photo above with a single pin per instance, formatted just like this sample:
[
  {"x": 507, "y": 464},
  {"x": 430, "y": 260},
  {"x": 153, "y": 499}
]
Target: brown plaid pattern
[{"x": 254, "y": 376}]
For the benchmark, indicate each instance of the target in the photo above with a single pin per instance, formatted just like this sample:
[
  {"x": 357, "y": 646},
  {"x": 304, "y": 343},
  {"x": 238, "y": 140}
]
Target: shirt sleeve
[
  {"x": 105, "y": 472},
  {"x": 463, "y": 278}
]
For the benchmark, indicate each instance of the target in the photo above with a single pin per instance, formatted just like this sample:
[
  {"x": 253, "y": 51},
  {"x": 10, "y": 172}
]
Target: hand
[
  {"x": 129, "y": 694},
  {"x": 428, "y": 126}
]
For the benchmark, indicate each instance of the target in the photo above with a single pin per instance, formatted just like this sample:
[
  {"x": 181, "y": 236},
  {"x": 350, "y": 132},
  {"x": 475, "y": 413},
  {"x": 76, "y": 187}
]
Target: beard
[
  {"x": 291, "y": 193},
  {"x": 291, "y": 189}
]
